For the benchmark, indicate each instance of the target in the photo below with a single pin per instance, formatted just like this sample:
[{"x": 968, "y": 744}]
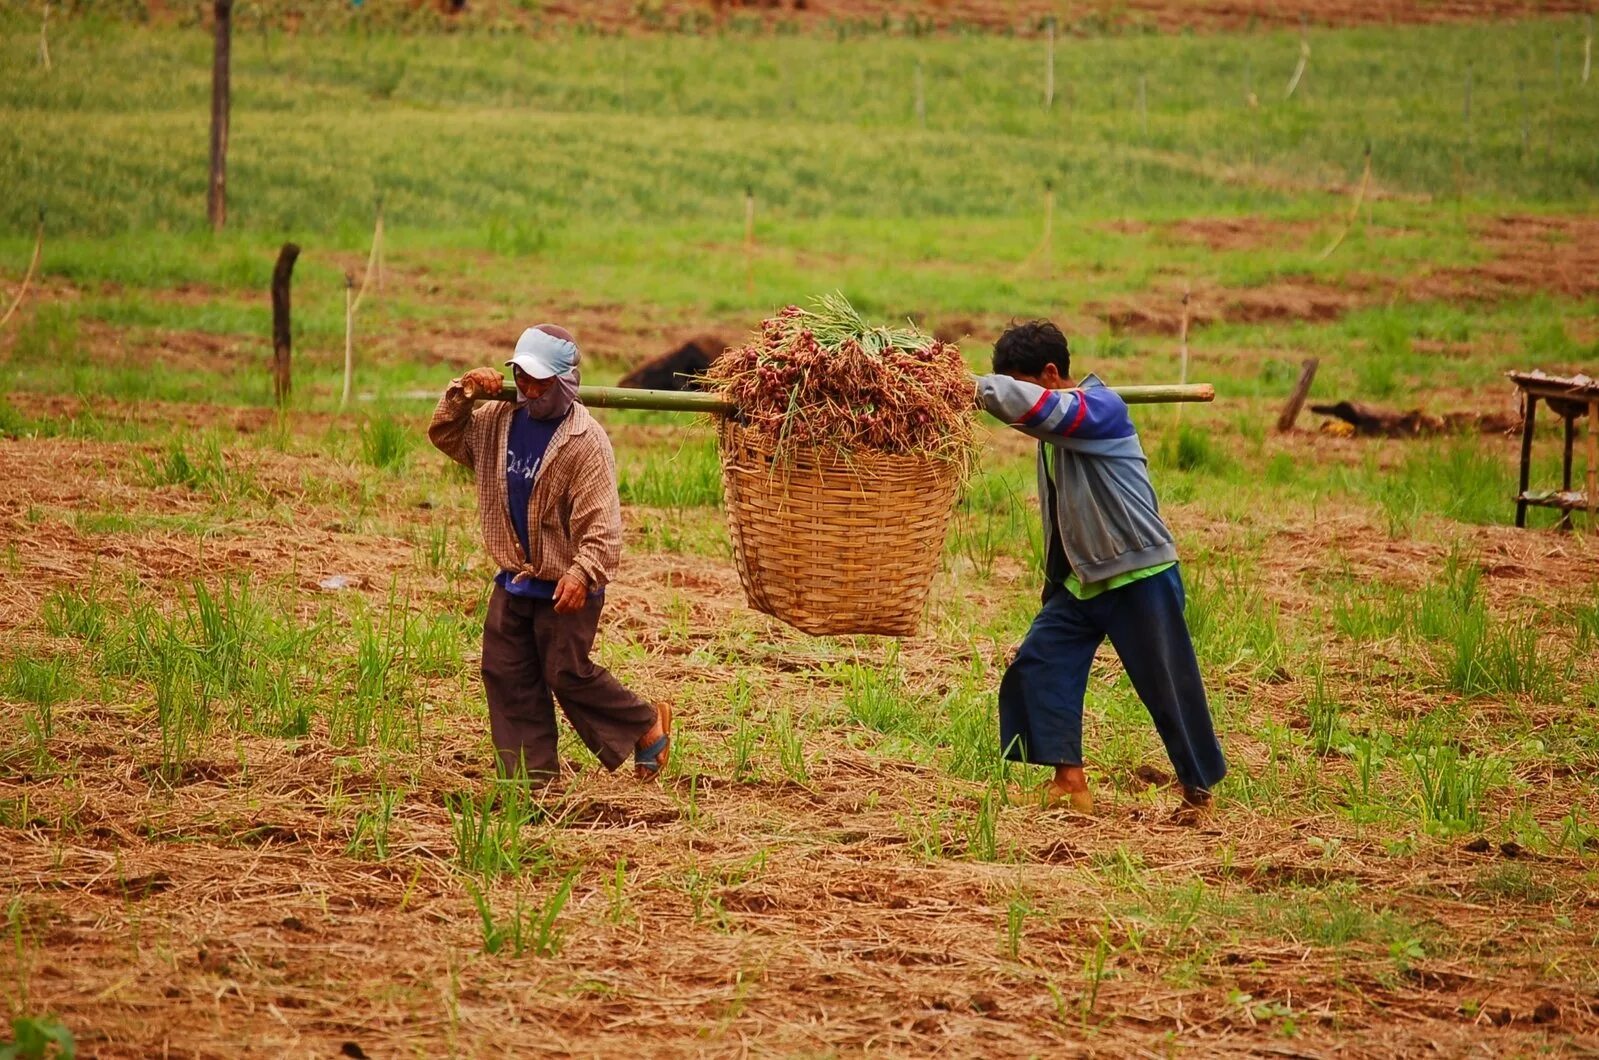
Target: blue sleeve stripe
[{"x": 1107, "y": 415}]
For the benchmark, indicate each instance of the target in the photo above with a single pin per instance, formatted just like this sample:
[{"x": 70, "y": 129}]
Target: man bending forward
[{"x": 1110, "y": 571}]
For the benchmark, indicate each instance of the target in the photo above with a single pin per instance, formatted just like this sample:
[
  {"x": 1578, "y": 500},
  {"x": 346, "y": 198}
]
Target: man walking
[
  {"x": 552, "y": 520},
  {"x": 1110, "y": 571}
]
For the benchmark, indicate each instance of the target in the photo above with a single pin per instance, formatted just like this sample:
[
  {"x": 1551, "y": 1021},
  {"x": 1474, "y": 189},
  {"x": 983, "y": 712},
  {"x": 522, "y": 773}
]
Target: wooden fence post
[
  {"x": 1304, "y": 59},
  {"x": 1587, "y": 51},
  {"x": 1529, "y": 418},
  {"x": 1049, "y": 65},
  {"x": 266, "y": 35},
  {"x": 377, "y": 240},
  {"x": 1521, "y": 100},
  {"x": 217, "y": 198},
  {"x": 921, "y": 98},
  {"x": 282, "y": 274},
  {"x": 349, "y": 339},
  {"x": 27, "y": 277},
  {"x": 1354, "y": 208},
  {"x": 1296, "y": 400},
  {"x": 1046, "y": 245},
  {"x": 1593, "y": 466},
  {"x": 1182, "y": 342},
  {"x": 1565, "y": 464},
  {"x": 749, "y": 241},
  {"x": 44, "y": 38},
  {"x": 374, "y": 260}
]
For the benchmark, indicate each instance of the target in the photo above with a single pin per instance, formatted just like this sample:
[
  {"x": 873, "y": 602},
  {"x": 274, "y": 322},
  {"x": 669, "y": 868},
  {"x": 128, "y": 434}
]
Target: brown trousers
[{"x": 530, "y": 653}]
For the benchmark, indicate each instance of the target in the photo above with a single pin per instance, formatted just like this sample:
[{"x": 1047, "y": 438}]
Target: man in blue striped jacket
[{"x": 1110, "y": 571}]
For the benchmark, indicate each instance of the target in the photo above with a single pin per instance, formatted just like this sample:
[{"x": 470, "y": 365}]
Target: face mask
[{"x": 555, "y": 402}]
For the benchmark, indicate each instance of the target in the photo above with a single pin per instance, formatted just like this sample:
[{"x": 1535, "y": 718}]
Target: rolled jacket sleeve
[{"x": 1090, "y": 412}]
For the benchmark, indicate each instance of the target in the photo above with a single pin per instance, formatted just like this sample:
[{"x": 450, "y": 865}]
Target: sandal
[
  {"x": 1051, "y": 797},
  {"x": 649, "y": 761}
]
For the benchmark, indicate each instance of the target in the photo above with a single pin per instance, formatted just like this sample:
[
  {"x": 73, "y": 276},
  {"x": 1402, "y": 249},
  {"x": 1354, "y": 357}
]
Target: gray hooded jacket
[{"x": 1106, "y": 511}]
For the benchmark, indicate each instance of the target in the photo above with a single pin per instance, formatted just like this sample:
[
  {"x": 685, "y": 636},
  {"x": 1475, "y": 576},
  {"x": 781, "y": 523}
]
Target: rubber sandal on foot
[{"x": 649, "y": 761}]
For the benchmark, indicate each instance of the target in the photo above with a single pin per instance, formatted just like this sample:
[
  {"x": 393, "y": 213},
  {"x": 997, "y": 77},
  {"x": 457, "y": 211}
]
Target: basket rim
[{"x": 823, "y": 456}]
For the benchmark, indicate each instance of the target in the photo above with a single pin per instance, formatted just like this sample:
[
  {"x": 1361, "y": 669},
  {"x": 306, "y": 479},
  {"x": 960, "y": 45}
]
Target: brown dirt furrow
[
  {"x": 1523, "y": 256},
  {"x": 66, "y": 504},
  {"x": 185, "y": 415}
]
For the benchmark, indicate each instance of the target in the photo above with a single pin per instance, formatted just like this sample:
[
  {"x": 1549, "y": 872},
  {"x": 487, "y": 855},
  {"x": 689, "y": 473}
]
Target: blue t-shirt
[{"x": 529, "y": 440}]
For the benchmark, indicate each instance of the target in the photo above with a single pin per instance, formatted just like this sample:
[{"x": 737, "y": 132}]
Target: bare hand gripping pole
[{"x": 616, "y": 397}]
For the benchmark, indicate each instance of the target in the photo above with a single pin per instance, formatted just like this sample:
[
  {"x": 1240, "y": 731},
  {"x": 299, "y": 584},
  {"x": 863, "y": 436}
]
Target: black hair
[{"x": 1026, "y": 348}]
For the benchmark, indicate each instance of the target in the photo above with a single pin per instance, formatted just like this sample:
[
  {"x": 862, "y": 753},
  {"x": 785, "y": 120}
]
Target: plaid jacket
[{"x": 574, "y": 515}]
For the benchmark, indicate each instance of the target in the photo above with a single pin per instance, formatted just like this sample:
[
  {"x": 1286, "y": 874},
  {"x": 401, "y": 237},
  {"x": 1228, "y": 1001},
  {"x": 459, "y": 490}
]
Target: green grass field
[{"x": 241, "y": 807}]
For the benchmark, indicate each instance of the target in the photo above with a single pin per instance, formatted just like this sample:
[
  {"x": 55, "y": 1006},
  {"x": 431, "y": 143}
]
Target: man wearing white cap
[{"x": 552, "y": 520}]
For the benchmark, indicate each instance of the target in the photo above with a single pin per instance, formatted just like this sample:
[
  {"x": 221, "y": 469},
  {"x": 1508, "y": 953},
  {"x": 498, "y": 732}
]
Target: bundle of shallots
[{"x": 824, "y": 377}]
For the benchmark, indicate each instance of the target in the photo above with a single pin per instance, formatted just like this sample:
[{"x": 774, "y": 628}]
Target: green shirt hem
[{"x": 1093, "y": 589}]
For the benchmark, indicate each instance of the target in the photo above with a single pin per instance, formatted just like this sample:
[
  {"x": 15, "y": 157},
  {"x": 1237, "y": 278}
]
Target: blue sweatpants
[{"x": 1041, "y": 695}]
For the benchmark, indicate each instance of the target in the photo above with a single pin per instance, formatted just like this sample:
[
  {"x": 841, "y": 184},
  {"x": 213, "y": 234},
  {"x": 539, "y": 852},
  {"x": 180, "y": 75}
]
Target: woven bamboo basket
[{"x": 835, "y": 544}]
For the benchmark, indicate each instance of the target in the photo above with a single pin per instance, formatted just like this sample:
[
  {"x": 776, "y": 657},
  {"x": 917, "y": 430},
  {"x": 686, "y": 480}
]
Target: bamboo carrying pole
[{"x": 617, "y": 397}]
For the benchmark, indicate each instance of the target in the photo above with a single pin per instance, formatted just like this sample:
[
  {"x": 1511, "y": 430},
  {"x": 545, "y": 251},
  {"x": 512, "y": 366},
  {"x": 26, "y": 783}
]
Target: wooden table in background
[{"x": 1571, "y": 399}]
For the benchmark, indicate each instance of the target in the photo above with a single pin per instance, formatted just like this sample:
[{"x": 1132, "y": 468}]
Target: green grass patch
[{"x": 673, "y": 475}]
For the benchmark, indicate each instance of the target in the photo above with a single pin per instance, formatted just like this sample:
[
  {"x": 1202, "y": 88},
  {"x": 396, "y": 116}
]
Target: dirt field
[
  {"x": 854, "y": 906},
  {"x": 224, "y": 908}
]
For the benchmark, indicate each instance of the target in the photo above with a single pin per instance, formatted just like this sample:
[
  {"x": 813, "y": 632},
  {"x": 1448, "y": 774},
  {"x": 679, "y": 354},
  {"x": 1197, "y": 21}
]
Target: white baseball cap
[{"x": 542, "y": 354}]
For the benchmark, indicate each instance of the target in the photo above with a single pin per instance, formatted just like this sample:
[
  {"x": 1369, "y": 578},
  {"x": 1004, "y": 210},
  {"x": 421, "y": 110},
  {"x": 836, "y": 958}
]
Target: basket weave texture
[{"x": 833, "y": 543}]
